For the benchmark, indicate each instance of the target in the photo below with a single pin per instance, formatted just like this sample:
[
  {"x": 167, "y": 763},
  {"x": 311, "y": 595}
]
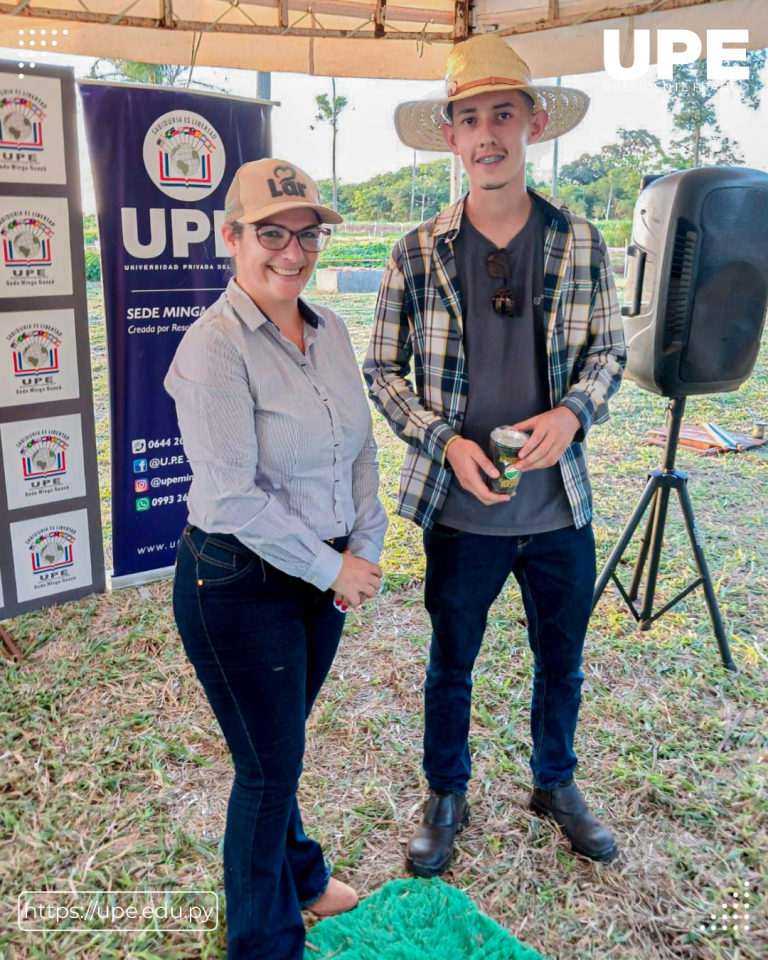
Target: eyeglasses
[
  {"x": 274, "y": 237},
  {"x": 498, "y": 268}
]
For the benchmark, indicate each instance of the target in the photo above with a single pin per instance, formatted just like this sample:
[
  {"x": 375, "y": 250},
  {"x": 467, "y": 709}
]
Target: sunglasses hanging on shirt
[{"x": 503, "y": 301}]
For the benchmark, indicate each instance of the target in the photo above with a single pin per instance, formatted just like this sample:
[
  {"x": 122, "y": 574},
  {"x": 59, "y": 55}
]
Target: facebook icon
[{"x": 139, "y": 466}]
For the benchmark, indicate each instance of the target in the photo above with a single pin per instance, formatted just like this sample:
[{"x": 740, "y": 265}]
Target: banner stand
[
  {"x": 51, "y": 547},
  {"x": 162, "y": 162},
  {"x": 143, "y": 576}
]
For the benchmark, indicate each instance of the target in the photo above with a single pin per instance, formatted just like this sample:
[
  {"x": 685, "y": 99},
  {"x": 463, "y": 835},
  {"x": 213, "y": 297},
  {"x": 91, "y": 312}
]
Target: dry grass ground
[{"x": 114, "y": 775}]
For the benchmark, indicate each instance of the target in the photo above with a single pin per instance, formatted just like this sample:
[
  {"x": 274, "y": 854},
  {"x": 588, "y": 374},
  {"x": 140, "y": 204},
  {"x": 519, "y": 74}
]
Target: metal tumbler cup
[{"x": 506, "y": 445}]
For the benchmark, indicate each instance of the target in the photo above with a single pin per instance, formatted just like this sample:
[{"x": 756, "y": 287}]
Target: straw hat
[
  {"x": 262, "y": 188},
  {"x": 479, "y": 65}
]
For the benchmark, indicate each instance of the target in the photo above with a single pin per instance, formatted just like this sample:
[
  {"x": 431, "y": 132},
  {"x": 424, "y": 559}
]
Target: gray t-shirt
[{"x": 508, "y": 379}]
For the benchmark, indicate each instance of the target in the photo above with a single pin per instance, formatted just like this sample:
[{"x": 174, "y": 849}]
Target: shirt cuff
[
  {"x": 324, "y": 569},
  {"x": 438, "y": 435},
  {"x": 580, "y": 404},
  {"x": 365, "y": 549},
  {"x": 448, "y": 442}
]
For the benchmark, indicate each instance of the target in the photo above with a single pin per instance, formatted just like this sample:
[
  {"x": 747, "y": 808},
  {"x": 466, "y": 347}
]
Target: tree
[
  {"x": 161, "y": 74},
  {"x": 388, "y": 195},
  {"x": 605, "y": 185},
  {"x": 587, "y": 169},
  {"x": 328, "y": 111},
  {"x": 633, "y": 149},
  {"x": 345, "y": 194},
  {"x": 692, "y": 101},
  {"x": 531, "y": 181}
]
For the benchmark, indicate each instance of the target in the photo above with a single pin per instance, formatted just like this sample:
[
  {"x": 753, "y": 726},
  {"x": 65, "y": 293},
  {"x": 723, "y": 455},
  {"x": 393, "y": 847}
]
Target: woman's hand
[
  {"x": 358, "y": 580},
  {"x": 343, "y": 602}
]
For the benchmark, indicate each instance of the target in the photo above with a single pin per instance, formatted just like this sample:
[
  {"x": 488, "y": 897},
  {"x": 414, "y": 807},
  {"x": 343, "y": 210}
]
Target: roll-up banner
[
  {"x": 162, "y": 160},
  {"x": 50, "y": 523}
]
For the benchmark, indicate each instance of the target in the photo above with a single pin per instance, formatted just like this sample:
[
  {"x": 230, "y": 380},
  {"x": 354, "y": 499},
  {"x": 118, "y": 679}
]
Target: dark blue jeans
[
  {"x": 465, "y": 574},
  {"x": 261, "y": 643}
]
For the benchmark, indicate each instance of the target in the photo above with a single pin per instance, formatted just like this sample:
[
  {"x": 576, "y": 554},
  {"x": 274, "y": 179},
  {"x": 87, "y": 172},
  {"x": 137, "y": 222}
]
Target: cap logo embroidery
[{"x": 291, "y": 187}]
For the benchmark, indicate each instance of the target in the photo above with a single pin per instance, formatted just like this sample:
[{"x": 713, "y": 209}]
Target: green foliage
[
  {"x": 387, "y": 196},
  {"x": 90, "y": 237},
  {"x": 159, "y": 74},
  {"x": 532, "y": 182},
  {"x": 692, "y": 101},
  {"x": 92, "y": 264},
  {"x": 358, "y": 253},
  {"x": 615, "y": 232},
  {"x": 605, "y": 185},
  {"x": 345, "y": 196},
  {"x": 329, "y": 110}
]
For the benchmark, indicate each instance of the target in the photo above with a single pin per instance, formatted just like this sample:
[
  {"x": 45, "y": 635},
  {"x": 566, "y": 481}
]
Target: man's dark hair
[{"x": 448, "y": 109}]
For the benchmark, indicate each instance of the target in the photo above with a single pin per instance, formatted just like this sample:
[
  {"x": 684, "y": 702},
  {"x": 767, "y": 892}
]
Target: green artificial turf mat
[{"x": 414, "y": 920}]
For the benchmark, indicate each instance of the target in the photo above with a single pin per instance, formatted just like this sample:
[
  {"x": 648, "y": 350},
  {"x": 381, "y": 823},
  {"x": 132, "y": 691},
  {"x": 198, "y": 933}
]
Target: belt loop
[{"x": 193, "y": 549}]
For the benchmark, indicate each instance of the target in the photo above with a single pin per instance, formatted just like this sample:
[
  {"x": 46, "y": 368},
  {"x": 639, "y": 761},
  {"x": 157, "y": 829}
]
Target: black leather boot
[
  {"x": 565, "y": 804},
  {"x": 430, "y": 849}
]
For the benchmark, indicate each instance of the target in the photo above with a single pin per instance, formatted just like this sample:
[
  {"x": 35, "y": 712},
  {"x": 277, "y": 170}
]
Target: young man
[{"x": 505, "y": 301}]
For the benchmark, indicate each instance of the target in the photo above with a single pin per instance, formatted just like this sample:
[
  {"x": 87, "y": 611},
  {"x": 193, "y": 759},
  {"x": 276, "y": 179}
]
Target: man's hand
[
  {"x": 552, "y": 434},
  {"x": 467, "y": 460}
]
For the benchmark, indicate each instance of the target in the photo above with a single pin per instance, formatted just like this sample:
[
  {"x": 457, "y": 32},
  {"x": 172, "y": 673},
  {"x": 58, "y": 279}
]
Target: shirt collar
[
  {"x": 448, "y": 222},
  {"x": 253, "y": 316}
]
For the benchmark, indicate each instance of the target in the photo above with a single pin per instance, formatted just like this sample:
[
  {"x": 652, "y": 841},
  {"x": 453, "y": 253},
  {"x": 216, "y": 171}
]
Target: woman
[{"x": 285, "y": 530}]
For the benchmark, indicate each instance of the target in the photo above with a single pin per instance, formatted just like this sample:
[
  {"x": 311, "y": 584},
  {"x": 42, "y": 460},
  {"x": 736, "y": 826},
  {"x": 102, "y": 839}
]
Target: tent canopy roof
[{"x": 406, "y": 39}]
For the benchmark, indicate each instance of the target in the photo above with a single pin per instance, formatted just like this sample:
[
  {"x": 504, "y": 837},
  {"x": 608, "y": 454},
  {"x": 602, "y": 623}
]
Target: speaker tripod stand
[{"x": 656, "y": 495}]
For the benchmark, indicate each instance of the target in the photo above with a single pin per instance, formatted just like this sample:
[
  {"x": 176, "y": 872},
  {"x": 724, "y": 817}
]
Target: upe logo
[
  {"x": 184, "y": 156},
  {"x": 668, "y": 56},
  {"x": 44, "y": 456},
  {"x": 21, "y": 123},
  {"x": 287, "y": 185},
  {"x": 52, "y": 550},
  {"x": 35, "y": 352},
  {"x": 26, "y": 240}
]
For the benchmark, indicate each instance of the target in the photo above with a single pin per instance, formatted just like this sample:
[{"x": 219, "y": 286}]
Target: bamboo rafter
[{"x": 376, "y": 18}]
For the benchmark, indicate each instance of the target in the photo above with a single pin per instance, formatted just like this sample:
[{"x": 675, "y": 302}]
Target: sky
[{"x": 368, "y": 144}]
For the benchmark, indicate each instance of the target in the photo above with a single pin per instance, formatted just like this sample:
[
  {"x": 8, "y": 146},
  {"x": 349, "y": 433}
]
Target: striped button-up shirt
[
  {"x": 418, "y": 318},
  {"x": 280, "y": 442}
]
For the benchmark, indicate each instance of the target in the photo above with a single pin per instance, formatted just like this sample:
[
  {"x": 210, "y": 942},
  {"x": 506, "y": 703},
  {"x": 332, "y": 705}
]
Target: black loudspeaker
[{"x": 697, "y": 280}]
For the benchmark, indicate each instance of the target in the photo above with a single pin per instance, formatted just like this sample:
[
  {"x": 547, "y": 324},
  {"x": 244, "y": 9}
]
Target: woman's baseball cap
[{"x": 262, "y": 188}]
